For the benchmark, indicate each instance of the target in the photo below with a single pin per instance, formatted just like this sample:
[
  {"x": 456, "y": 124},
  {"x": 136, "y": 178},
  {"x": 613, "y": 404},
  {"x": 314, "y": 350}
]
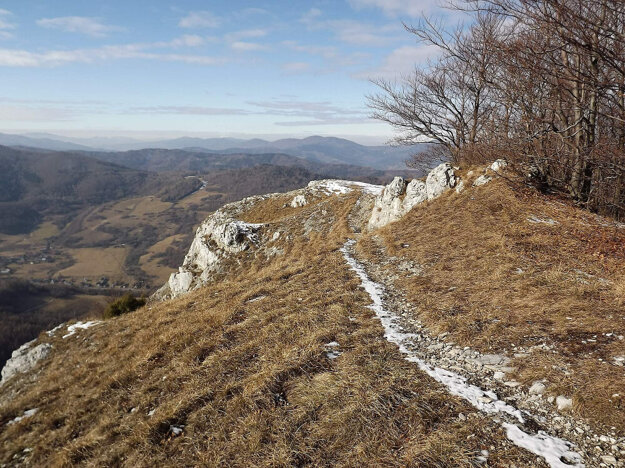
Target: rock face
[
  {"x": 222, "y": 236},
  {"x": 219, "y": 236},
  {"x": 24, "y": 359},
  {"x": 440, "y": 179},
  {"x": 399, "y": 197}
]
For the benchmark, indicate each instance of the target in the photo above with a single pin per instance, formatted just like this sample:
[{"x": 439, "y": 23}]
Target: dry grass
[
  {"x": 249, "y": 381},
  {"x": 496, "y": 281}
]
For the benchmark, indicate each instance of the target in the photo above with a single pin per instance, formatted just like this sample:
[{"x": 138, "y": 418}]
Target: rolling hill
[{"x": 318, "y": 149}]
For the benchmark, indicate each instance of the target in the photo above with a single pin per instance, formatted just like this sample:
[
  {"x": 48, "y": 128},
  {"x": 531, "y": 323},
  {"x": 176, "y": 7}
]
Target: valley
[{"x": 98, "y": 229}]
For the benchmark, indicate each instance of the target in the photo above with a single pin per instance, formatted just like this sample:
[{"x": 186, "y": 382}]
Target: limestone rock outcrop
[
  {"x": 399, "y": 197},
  {"x": 223, "y": 236},
  {"x": 217, "y": 238},
  {"x": 24, "y": 359},
  {"x": 440, "y": 179}
]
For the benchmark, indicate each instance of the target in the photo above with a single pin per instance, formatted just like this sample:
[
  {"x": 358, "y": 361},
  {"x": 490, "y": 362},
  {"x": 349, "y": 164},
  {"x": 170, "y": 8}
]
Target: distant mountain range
[{"x": 315, "y": 148}]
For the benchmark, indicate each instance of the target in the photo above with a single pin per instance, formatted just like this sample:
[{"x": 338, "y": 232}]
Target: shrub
[{"x": 123, "y": 305}]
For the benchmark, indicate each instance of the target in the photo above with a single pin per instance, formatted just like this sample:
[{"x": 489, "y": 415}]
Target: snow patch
[
  {"x": 341, "y": 187},
  {"x": 552, "y": 449},
  {"x": 80, "y": 325},
  {"x": 26, "y": 414},
  {"x": 556, "y": 452}
]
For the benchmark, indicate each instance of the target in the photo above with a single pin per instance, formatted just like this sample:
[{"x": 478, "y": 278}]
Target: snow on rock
[
  {"x": 24, "y": 359},
  {"x": 71, "y": 330},
  {"x": 552, "y": 449},
  {"x": 399, "y": 197}
]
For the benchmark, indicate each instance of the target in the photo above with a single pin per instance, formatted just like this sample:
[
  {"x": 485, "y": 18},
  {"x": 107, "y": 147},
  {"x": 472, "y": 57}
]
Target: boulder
[
  {"x": 389, "y": 205},
  {"x": 440, "y": 179},
  {"x": 24, "y": 359},
  {"x": 399, "y": 197},
  {"x": 499, "y": 165},
  {"x": 563, "y": 403},
  {"x": 218, "y": 237},
  {"x": 537, "y": 388},
  {"x": 298, "y": 200},
  {"x": 482, "y": 180}
]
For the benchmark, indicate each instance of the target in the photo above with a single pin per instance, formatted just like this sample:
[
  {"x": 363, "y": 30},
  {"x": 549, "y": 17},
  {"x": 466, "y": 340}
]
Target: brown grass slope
[
  {"x": 498, "y": 282},
  {"x": 249, "y": 382}
]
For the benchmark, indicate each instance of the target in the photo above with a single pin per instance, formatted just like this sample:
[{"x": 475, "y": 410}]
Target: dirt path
[{"x": 559, "y": 438}]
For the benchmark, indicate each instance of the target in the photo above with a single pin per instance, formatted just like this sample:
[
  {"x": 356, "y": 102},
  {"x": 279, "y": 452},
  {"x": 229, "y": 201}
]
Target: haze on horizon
[{"x": 157, "y": 69}]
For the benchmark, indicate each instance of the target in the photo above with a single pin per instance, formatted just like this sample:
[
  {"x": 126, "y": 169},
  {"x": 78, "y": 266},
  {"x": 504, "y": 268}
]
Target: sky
[{"x": 156, "y": 68}]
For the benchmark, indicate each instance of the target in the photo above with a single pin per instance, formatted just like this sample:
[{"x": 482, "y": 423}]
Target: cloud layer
[{"x": 78, "y": 24}]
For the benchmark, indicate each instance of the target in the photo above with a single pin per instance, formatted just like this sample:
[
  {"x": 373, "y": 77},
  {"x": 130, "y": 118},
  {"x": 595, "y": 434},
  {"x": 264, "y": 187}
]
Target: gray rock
[
  {"x": 298, "y": 200},
  {"x": 440, "y": 179},
  {"x": 218, "y": 237},
  {"x": 493, "y": 360},
  {"x": 24, "y": 359},
  {"x": 399, "y": 197},
  {"x": 498, "y": 165},
  {"x": 563, "y": 403},
  {"x": 608, "y": 460},
  {"x": 537, "y": 388},
  {"x": 482, "y": 180}
]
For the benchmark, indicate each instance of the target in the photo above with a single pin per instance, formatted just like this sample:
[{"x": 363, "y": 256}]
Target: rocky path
[{"x": 529, "y": 419}]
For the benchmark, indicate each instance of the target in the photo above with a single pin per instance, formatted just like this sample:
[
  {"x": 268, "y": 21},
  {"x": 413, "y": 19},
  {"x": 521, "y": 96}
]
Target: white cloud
[
  {"x": 78, "y": 24},
  {"x": 34, "y": 114},
  {"x": 314, "y": 112},
  {"x": 393, "y": 8},
  {"x": 352, "y": 31},
  {"x": 400, "y": 62},
  {"x": 189, "y": 110},
  {"x": 199, "y": 19},
  {"x": 296, "y": 67},
  {"x": 186, "y": 40},
  {"x": 5, "y": 25},
  {"x": 246, "y": 34},
  {"x": 242, "y": 46},
  {"x": 24, "y": 58},
  {"x": 327, "y": 52},
  {"x": 357, "y": 33},
  {"x": 311, "y": 16}
]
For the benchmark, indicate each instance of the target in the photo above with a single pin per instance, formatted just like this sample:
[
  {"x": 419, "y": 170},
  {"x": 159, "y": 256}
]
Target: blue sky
[{"x": 207, "y": 68}]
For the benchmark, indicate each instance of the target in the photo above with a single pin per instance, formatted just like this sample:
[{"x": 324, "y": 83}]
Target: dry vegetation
[
  {"x": 497, "y": 281},
  {"x": 240, "y": 366}
]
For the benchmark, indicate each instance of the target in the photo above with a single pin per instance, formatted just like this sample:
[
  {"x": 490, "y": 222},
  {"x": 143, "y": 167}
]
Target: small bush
[{"x": 123, "y": 305}]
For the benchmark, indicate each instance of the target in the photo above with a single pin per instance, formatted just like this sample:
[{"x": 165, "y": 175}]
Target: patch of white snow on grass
[
  {"x": 341, "y": 187},
  {"x": 55, "y": 329},
  {"x": 80, "y": 325},
  {"x": 542, "y": 444},
  {"x": 27, "y": 414}
]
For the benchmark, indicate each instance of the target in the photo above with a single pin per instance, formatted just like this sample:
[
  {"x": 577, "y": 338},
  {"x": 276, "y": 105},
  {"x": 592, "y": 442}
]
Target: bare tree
[{"x": 448, "y": 102}]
